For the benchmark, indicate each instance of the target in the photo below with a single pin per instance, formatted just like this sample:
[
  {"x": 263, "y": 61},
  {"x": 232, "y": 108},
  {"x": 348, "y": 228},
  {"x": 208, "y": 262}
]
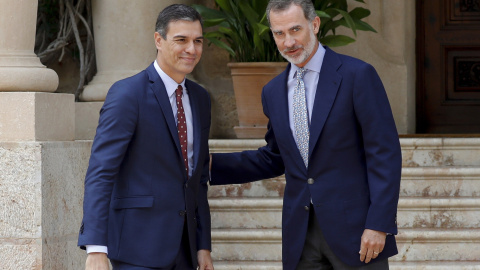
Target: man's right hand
[{"x": 97, "y": 261}]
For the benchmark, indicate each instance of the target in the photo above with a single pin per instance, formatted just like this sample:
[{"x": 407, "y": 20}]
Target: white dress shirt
[
  {"x": 312, "y": 73},
  {"x": 171, "y": 86}
]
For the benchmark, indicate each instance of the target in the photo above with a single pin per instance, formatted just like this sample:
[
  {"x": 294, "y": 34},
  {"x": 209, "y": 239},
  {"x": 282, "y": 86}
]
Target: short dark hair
[
  {"x": 173, "y": 13},
  {"x": 280, "y": 5}
]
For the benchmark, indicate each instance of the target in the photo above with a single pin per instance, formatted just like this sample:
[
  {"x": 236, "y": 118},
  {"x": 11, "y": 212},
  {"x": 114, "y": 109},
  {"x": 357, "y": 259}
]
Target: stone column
[
  {"x": 27, "y": 110},
  {"x": 20, "y": 68},
  {"x": 36, "y": 187}
]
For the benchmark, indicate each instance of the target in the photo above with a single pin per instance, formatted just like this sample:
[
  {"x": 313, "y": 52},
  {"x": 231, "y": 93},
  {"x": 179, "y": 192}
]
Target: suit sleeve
[
  {"x": 118, "y": 118},
  {"x": 204, "y": 238},
  {"x": 248, "y": 166},
  {"x": 382, "y": 149}
]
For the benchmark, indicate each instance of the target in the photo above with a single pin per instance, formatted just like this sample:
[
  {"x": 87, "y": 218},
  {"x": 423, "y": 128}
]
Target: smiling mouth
[
  {"x": 190, "y": 60},
  {"x": 292, "y": 51}
]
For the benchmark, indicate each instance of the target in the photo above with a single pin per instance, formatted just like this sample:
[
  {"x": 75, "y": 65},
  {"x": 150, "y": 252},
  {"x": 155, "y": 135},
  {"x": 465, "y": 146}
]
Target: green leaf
[
  {"x": 322, "y": 14},
  {"x": 208, "y": 13},
  {"x": 216, "y": 35},
  {"x": 349, "y": 20},
  {"x": 262, "y": 29},
  {"x": 332, "y": 12},
  {"x": 363, "y": 26},
  {"x": 260, "y": 6},
  {"x": 249, "y": 13},
  {"x": 359, "y": 13},
  {"x": 361, "y": 1},
  {"x": 222, "y": 45},
  {"x": 337, "y": 40},
  {"x": 225, "y": 5},
  {"x": 212, "y": 22},
  {"x": 329, "y": 26}
]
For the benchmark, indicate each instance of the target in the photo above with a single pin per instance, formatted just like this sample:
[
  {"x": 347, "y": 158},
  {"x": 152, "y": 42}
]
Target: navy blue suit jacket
[
  {"x": 136, "y": 188},
  {"x": 354, "y": 160}
]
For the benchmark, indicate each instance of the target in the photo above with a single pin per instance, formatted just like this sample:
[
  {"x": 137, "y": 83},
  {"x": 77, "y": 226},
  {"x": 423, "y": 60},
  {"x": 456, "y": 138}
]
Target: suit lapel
[
  {"x": 327, "y": 88},
  {"x": 196, "y": 123},
  {"x": 158, "y": 88}
]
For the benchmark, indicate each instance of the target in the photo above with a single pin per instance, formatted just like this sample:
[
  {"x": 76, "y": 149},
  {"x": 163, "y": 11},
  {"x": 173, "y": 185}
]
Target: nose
[
  {"x": 190, "y": 47},
  {"x": 289, "y": 41}
]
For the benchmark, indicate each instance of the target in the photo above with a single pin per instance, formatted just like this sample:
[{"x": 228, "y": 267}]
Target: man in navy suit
[
  {"x": 145, "y": 201},
  {"x": 332, "y": 133}
]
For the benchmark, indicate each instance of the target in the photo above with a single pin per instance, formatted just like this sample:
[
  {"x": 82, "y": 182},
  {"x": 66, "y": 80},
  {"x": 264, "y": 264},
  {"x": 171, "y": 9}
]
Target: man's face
[
  {"x": 179, "y": 53},
  {"x": 294, "y": 35}
]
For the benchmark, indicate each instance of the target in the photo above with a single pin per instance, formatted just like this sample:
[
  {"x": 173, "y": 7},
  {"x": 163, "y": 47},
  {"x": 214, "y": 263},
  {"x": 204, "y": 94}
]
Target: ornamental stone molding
[{"x": 20, "y": 68}]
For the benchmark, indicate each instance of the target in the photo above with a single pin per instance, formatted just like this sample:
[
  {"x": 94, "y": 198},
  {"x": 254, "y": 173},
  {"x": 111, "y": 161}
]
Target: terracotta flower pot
[{"x": 248, "y": 82}]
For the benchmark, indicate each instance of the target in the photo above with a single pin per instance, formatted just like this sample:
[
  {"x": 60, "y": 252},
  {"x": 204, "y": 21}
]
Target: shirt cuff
[{"x": 95, "y": 248}]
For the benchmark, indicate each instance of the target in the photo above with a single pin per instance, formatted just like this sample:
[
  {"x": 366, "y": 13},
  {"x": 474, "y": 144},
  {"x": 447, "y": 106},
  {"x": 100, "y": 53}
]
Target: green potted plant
[{"x": 241, "y": 28}]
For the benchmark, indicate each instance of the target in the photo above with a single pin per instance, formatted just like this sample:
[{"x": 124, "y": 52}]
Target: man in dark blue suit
[
  {"x": 332, "y": 133},
  {"x": 145, "y": 201}
]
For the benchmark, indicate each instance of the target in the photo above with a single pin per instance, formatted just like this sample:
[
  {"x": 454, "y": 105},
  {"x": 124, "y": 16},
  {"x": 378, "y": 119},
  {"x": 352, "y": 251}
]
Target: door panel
[{"x": 448, "y": 66}]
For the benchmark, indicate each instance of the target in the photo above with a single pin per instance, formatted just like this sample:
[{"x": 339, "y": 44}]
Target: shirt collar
[
  {"x": 169, "y": 83},
  {"x": 315, "y": 63}
]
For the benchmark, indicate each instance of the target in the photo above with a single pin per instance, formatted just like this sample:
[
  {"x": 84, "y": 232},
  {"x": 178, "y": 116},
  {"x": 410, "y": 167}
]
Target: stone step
[
  {"x": 413, "y": 245},
  {"x": 416, "y": 181},
  {"x": 420, "y": 152},
  {"x": 441, "y": 182},
  {"x": 394, "y": 265},
  {"x": 416, "y": 152},
  {"x": 413, "y": 212}
]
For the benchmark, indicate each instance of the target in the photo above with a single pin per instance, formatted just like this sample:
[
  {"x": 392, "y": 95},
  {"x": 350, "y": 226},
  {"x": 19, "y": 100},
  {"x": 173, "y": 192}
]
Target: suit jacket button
[
  {"x": 310, "y": 181},
  {"x": 182, "y": 212},
  {"x": 307, "y": 208}
]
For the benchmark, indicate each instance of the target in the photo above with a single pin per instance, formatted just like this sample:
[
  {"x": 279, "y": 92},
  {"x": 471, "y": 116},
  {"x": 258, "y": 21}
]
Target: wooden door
[{"x": 448, "y": 66}]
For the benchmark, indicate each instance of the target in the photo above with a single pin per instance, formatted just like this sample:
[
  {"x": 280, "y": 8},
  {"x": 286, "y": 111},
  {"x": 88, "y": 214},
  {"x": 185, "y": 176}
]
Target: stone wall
[
  {"x": 41, "y": 196},
  {"x": 392, "y": 52}
]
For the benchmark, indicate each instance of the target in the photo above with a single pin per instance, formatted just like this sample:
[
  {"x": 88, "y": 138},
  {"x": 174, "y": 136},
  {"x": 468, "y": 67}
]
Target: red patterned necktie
[{"x": 182, "y": 126}]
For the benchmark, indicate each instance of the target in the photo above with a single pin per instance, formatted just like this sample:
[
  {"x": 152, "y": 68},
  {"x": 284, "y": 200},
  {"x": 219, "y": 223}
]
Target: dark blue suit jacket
[
  {"x": 354, "y": 159},
  {"x": 136, "y": 188}
]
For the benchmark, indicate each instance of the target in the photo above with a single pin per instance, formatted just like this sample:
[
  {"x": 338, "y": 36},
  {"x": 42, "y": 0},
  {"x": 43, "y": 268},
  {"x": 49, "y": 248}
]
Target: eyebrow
[
  {"x": 295, "y": 26},
  {"x": 180, "y": 36},
  {"x": 291, "y": 28}
]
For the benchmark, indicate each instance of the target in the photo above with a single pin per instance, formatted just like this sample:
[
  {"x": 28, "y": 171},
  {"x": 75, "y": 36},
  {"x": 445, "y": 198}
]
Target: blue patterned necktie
[{"x": 300, "y": 116}]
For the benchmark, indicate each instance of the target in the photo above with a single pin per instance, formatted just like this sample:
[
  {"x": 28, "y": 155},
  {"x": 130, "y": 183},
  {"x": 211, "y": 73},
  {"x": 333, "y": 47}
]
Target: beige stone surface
[
  {"x": 438, "y": 245},
  {"x": 392, "y": 52},
  {"x": 248, "y": 245},
  {"x": 448, "y": 213},
  {"x": 255, "y": 213},
  {"x": 33, "y": 116},
  {"x": 20, "y": 68},
  {"x": 64, "y": 166},
  {"x": 124, "y": 42},
  {"x": 41, "y": 195},
  {"x": 423, "y": 152},
  {"x": 20, "y": 185},
  {"x": 441, "y": 182},
  {"x": 20, "y": 254},
  {"x": 86, "y": 119}
]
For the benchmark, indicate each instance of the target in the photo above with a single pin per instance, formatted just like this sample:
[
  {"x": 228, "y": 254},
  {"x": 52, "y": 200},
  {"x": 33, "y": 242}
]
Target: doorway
[{"x": 448, "y": 66}]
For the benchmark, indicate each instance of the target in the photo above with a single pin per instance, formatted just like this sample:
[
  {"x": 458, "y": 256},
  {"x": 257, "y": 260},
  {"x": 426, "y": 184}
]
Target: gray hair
[
  {"x": 281, "y": 5},
  {"x": 173, "y": 13}
]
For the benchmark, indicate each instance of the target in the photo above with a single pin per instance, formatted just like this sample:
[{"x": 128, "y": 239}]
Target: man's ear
[
  {"x": 158, "y": 40},
  {"x": 316, "y": 25}
]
